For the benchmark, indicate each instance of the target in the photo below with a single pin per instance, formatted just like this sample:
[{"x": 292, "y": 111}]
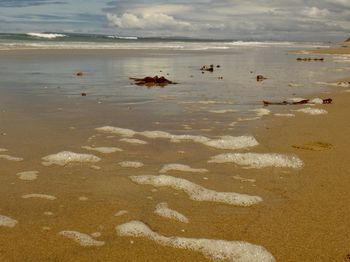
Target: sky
[{"x": 308, "y": 20}]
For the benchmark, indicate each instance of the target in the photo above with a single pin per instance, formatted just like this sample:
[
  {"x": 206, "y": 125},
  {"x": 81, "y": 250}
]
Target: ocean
[{"x": 93, "y": 41}]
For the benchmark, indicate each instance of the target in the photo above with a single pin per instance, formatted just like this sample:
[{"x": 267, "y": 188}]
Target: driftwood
[
  {"x": 308, "y": 59},
  {"x": 304, "y": 101},
  {"x": 152, "y": 81}
]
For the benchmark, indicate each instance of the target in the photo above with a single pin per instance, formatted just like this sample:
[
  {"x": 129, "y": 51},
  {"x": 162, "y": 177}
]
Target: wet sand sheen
[{"x": 286, "y": 192}]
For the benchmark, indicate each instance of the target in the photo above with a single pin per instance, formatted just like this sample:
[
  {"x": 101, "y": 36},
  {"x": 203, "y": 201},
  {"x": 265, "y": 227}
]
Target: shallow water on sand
[{"x": 42, "y": 114}]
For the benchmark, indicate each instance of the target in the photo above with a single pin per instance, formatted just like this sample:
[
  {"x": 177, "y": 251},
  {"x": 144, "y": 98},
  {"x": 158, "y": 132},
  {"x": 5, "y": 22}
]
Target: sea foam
[
  {"x": 66, "y": 157},
  {"x": 28, "y": 175},
  {"x": 42, "y": 196},
  {"x": 82, "y": 239},
  {"x": 284, "y": 115},
  {"x": 312, "y": 111},
  {"x": 182, "y": 168},
  {"x": 197, "y": 192},
  {"x": 133, "y": 141},
  {"x": 117, "y": 131},
  {"x": 103, "y": 150},
  {"x": 162, "y": 209},
  {"x": 224, "y": 142},
  {"x": 46, "y": 35},
  {"x": 7, "y": 221},
  {"x": 256, "y": 160},
  {"x": 222, "y": 111},
  {"x": 237, "y": 251},
  {"x": 133, "y": 164},
  {"x": 11, "y": 158},
  {"x": 261, "y": 111}
]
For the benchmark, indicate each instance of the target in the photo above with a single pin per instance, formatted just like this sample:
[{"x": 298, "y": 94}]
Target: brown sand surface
[
  {"x": 304, "y": 216},
  {"x": 343, "y": 50},
  {"x": 312, "y": 224}
]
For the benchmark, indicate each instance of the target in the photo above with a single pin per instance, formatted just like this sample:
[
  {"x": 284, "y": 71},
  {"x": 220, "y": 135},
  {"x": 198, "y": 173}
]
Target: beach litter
[
  {"x": 300, "y": 102},
  {"x": 260, "y": 78},
  {"x": 152, "y": 81},
  {"x": 309, "y": 59}
]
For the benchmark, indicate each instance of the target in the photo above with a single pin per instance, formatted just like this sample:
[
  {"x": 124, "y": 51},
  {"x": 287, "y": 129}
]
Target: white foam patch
[
  {"x": 66, "y": 157},
  {"x": 242, "y": 179},
  {"x": 340, "y": 84},
  {"x": 248, "y": 118},
  {"x": 224, "y": 142},
  {"x": 95, "y": 167},
  {"x": 96, "y": 234},
  {"x": 291, "y": 84},
  {"x": 284, "y": 115},
  {"x": 42, "y": 196},
  {"x": 11, "y": 158},
  {"x": 133, "y": 141},
  {"x": 237, "y": 251},
  {"x": 83, "y": 198},
  {"x": 312, "y": 111},
  {"x": 222, "y": 111},
  {"x": 163, "y": 210},
  {"x": 121, "y": 213},
  {"x": 316, "y": 100},
  {"x": 296, "y": 99},
  {"x": 133, "y": 164},
  {"x": 182, "y": 168},
  {"x": 3, "y": 150},
  {"x": 103, "y": 150},
  {"x": 82, "y": 239},
  {"x": 197, "y": 192},
  {"x": 256, "y": 160},
  {"x": 261, "y": 111},
  {"x": 28, "y": 175},
  {"x": 117, "y": 131},
  {"x": 7, "y": 221}
]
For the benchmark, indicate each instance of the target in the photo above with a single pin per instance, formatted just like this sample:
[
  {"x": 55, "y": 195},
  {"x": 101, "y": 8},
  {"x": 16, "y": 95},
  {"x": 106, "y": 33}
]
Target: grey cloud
[{"x": 27, "y": 3}]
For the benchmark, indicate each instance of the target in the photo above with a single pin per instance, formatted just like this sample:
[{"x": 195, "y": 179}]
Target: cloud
[
  {"x": 27, "y": 3},
  {"x": 147, "y": 21},
  {"x": 314, "y": 12}
]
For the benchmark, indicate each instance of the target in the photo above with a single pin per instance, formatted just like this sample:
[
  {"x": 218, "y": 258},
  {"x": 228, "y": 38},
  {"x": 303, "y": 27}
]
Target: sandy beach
[{"x": 296, "y": 213}]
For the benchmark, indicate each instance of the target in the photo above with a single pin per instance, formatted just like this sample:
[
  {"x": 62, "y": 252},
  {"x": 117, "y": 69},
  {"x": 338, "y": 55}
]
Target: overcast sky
[{"x": 327, "y": 20}]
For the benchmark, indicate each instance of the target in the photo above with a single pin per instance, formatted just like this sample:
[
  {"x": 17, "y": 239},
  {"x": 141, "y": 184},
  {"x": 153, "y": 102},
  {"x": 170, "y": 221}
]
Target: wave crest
[{"x": 46, "y": 35}]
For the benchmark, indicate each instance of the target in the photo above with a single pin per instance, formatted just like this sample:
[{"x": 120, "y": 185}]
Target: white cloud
[
  {"x": 314, "y": 12},
  {"x": 147, "y": 21}
]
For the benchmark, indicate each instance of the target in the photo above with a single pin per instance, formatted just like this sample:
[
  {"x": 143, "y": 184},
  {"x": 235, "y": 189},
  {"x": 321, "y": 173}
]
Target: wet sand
[
  {"x": 303, "y": 217},
  {"x": 343, "y": 50}
]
